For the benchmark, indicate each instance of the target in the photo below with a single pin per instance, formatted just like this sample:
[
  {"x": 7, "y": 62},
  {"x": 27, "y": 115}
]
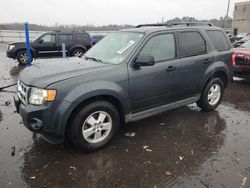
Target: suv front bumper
[{"x": 38, "y": 119}]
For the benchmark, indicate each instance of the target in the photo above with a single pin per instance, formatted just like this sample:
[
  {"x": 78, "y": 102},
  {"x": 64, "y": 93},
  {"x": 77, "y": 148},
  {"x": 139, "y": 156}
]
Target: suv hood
[{"x": 50, "y": 71}]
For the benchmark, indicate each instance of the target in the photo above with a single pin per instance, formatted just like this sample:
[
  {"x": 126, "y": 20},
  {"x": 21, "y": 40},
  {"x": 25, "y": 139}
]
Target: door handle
[
  {"x": 171, "y": 68},
  {"x": 207, "y": 61}
]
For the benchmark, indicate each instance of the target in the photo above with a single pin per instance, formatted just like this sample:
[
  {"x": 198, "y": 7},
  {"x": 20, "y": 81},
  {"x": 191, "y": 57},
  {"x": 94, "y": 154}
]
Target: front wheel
[
  {"x": 94, "y": 126},
  {"x": 212, "y": 95},
  {"x": 22, "y": 57}
]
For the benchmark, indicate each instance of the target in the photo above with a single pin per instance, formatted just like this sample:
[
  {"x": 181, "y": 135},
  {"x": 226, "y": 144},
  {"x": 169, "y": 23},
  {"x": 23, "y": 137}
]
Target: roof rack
[
  {"x": 172, "y": 24},
  {"x": 150, "y": 25}
]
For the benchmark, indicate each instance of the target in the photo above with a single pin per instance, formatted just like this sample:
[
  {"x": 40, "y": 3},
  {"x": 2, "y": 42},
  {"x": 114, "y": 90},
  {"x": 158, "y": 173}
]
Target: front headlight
[
  {"x": 39, "y": 96},
  {"x": 11, "y": 46}
]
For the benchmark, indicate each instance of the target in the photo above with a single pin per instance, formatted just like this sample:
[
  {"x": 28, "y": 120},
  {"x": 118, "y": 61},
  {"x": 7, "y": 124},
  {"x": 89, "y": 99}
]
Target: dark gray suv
[{"x": 129, "y": 75}]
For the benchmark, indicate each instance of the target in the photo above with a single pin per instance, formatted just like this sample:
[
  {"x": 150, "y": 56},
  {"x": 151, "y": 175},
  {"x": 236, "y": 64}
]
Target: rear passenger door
[
  {"x": 194, "y": 60},
  {"x": 67, "y": 39}
]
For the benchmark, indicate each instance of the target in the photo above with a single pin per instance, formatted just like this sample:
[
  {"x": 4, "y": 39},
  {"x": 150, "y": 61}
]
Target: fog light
[{"x": 36, "y": 124}]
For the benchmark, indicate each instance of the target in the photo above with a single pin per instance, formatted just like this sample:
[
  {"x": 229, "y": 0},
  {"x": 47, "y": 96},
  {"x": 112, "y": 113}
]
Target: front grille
[{"x": 22, "y": 92}]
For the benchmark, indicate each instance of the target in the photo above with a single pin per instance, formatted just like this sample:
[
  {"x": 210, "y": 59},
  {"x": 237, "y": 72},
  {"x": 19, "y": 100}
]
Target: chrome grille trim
[{"x": 22, "y": 92}]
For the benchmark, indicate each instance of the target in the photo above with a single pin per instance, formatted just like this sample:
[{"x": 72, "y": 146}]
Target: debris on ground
[
  {"x": 45, "y": 166},
  {"x": 167, "y": 173},
  {"x": 146, "y": 147},
  {"x": 8, "y": 103},
  {"x": 33, "y": 177},
  {"x": 161, "y": 124},
  {"x": 244, "y": 180},
  {"x": 72, "y": 167},
  {"x": 13, "y": 151},
  {"x": 131, "y": 134},
  {"x": 181, "y": 158}
]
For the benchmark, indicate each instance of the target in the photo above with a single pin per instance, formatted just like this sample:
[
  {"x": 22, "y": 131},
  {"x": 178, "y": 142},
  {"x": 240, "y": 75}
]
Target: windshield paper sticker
[{"x": 125, "y": 47}]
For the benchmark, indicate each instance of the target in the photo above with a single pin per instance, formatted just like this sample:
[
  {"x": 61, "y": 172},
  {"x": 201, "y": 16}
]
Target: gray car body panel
[{"x": 76, "y": 80}]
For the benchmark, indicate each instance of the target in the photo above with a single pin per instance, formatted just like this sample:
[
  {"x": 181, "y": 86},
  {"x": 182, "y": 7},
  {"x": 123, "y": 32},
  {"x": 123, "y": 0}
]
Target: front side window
[
  {"x": 191, "y": 44},
  {"x": 49, "y": 38},
  {"x": 162, "y": 47},
  {"x": 115, "y": 47}
]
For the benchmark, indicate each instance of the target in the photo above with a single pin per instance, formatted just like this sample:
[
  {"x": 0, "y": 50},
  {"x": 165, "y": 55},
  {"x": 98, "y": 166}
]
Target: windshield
[
  {"x": 114, "y": 48},
  {"x": 246, "y": 44}
]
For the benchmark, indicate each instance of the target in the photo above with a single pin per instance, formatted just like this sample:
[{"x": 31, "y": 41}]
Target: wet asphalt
[{"x": 184, "y": 147}]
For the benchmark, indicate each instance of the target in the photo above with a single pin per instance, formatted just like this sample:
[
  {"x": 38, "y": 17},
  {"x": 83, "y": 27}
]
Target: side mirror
[
  {"x": 144, "y": 60},
  {"x": 40, "y": 41}
]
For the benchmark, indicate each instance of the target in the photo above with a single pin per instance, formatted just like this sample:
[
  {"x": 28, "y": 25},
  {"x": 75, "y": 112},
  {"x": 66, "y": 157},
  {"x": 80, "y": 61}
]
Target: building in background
[{"x": 241, "y": 20}]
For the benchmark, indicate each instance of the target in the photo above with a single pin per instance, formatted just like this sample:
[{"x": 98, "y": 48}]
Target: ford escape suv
[{"x": 129, "y": 75}]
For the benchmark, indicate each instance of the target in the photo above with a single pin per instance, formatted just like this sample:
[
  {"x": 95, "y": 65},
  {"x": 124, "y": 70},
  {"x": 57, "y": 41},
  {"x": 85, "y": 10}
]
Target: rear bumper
[{"x": 242, "y": 71}]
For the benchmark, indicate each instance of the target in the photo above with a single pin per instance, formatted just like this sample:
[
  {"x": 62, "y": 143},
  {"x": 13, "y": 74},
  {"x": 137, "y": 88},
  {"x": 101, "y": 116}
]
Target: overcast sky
[{"x": 103, "y": 12}]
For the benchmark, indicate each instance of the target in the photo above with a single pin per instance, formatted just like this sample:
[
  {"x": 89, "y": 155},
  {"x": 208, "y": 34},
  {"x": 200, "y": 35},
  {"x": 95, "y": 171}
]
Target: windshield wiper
[{"x": 92, "y": 58}]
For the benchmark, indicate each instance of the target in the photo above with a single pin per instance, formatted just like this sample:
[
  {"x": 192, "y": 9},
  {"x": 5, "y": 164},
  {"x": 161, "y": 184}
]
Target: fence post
[
  {"x": 27, "y": 43},
  {"x": 63, "y": 50}
]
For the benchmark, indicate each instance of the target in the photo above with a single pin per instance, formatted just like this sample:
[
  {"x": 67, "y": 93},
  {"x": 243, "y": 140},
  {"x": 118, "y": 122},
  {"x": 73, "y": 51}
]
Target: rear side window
[
  {"x": 219, "y": 40},
  {"x": 82, "y": 37},
  {"x": 162, "y": 47},
  {"x": 65, "y": 37},
  {"x": 191, "y": 44}
]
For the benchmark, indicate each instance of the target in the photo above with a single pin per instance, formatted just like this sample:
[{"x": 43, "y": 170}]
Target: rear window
[
  {"x": 219, "y": 40},
  {"x": 191, "y": 44}
]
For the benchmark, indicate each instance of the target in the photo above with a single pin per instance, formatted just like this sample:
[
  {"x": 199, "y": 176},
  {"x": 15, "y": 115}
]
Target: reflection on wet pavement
[{"x": 180, "y": 148}]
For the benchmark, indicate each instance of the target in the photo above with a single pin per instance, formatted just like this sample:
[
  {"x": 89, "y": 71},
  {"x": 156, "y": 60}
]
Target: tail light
[
  {"x": 90, "y": 44},
  {"x": 233, "y": 59}
]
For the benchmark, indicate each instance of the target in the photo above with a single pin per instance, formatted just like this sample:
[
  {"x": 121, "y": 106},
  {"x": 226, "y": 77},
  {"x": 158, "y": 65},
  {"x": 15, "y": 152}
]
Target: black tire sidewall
[
  {"x": 76, "y": 136},
  {"x": 77, "y": 49},
  {"x": 203, "y": 102},
  {"x": 18, "y": 58}
]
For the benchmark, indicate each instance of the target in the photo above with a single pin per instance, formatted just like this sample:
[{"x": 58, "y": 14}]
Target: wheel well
[
  {"x": 219, "y": 74},
  {"x": 31, "y": 51},
  {"x": 107, "y": 98}
]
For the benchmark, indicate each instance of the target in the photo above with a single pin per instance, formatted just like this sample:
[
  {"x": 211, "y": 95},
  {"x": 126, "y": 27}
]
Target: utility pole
[
  {"x": 228, "y": 5},
  {"x": 162, "y": 19}
]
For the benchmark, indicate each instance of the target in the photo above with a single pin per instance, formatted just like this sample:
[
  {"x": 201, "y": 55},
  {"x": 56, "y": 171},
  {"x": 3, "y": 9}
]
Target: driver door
[
  {"x": 46, "y": 45},
  {"x": 152, "y": 86}
]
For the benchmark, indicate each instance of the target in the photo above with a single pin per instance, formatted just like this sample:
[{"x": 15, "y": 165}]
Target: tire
[
  {"x": 22, "y": 57},
  {"x": 87, "y": 134},
  {"x": 214, "y": 88},
  {"x": 77, "y": 52}
]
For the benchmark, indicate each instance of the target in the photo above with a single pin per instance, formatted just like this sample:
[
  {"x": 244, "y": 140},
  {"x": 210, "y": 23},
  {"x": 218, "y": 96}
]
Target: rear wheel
[
  {"x": 212, "y": 95},
  {"x": 22, "y": 57},
  {"x": 94, "y": 126},
  {"x": 78, "y": 52}
]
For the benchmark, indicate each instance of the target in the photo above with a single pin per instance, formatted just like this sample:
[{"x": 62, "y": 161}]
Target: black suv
[
  {"x": 129, "y": 75},
  {"x": 50, "y": 45}
]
